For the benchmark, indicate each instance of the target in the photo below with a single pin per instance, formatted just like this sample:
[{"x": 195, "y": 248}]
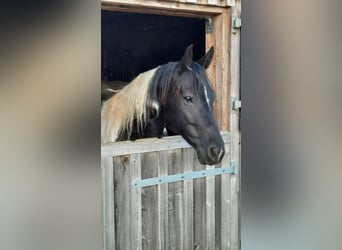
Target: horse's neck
[{"x": 154, "y": 128}]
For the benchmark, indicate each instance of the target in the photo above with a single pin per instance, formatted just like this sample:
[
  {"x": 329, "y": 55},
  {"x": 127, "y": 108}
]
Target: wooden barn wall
[
  {"x": 221, "y": 3},
  {"x": 198, "y": 214},
  {"x": 191, "y": 214}
]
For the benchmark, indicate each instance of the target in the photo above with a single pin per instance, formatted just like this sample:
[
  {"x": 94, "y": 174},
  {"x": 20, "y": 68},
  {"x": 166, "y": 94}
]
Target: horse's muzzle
[{"x": 213, "y": 155}]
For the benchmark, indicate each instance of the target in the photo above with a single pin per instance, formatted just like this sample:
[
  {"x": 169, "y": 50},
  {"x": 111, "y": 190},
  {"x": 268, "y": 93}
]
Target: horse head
[{"x": 187, "y": 108}]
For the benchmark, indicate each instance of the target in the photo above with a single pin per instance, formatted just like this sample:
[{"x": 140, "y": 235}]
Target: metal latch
[{"x": 236, "y": 23}]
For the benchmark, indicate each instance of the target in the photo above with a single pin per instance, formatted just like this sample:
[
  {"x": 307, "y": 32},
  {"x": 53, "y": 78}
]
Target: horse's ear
[
  {"x": 205, "y": 60},
  {"x": 186, "y": 60}
]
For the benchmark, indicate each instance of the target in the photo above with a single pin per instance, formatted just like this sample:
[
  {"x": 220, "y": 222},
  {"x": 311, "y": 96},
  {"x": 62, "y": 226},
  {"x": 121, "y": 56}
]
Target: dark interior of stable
[{"x": 132, "y": 43}]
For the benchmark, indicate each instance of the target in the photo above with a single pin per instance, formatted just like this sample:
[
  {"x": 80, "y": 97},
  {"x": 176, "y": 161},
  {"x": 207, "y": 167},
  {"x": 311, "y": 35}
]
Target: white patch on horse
[
  {"x": 206, "y": 95},
  {"x": 165, "y": 132}
]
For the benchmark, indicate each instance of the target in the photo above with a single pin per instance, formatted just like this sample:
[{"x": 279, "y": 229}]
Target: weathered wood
[
  {"x": 149, "y": 202},
  {"x": 108, "y": 203},
  {"x": 210, "y": 210},
  {"x": 135, "y": 206},
  {"x": 217, "y": 21},
  {"x": 166, "y": 7},
  {"x": 149, "y": 145},
  {"x": 176, "y": 222},
  {"x": 188, "y": 161},
  {"x": 225, "y": 216},
  {"x": 163, "y": 214},
  {"x": 122, "y": 200},
  {"x": 236, "y": 137},
  {"x": 210, "y": 41},
  {"x": 225, "y": 71},
  {"x": 218, "y": 223},
  {"x": 199, "y": 210},
  {"x": 180, "y": 215}
]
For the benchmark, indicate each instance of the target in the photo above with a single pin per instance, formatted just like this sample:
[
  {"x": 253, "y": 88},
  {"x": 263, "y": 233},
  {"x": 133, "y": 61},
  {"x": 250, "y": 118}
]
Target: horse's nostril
[{"x": 213, "y": 152}]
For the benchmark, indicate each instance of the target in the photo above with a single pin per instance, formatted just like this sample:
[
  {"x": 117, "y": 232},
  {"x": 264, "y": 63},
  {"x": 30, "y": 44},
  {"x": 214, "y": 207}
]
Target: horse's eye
[{"x": 188, "y": 98}]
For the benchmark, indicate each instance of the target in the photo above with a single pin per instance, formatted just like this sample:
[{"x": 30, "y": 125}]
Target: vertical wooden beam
[
  {"x": 176, "y": 217},
  {"x": 149, "y": 198},
  {"x": 199, "y": 210},
  {"x": 209, "y": 42},
  {"x": 188, "y": 161},
  {"x": 163, "y": 214},
  {"x": 122, "y": 200},
  {"x": 210, "y": 210},
  {"x": 226, "y": 219},
  {"x": 235, "y": 131},
  {"x": 225, "y": 71},
  {"x": 218, "y": 72},
  {"x": 108, "y": 233},
  {"x": 135, "y": 208}
]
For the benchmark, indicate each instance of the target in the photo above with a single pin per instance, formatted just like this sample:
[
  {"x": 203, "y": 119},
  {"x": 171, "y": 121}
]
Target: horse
[{"x": 176, "y": 96}]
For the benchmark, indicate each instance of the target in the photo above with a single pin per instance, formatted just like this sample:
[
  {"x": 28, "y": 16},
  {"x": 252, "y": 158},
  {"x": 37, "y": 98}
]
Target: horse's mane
[
  {"x": 119, "y": 112},
  {"x": 132, "y": 105}
]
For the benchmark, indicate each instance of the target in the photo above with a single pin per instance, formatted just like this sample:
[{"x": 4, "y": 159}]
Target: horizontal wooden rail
[
  {"x": 149, "y": 145},
  {"x": 167, "y": 6}
]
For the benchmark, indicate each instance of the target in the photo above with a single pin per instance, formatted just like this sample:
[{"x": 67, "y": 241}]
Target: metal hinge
[
  {"x": 236, "y": 104},
  {"x": 209, "y": 27},
  {"x": 232, "y": 169},
  {"x": 236, "y": 23}
]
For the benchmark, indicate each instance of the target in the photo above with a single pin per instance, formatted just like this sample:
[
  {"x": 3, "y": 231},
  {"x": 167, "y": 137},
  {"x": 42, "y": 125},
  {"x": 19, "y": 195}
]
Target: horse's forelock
[
  {"x": 161, "y": 82},
  {"x": 203, "y": 80}
]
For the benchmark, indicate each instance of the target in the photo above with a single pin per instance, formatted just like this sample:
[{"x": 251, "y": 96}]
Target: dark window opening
[{"x": 132, "y": 43}]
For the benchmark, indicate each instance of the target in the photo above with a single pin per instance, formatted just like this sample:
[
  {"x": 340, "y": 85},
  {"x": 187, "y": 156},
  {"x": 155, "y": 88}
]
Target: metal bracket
[
  {"x": 209, "y": 25},
  {"x": 184, "y": 176},
  {"x": 236, "y": 104},
  {"x": 236, "y": 23}
]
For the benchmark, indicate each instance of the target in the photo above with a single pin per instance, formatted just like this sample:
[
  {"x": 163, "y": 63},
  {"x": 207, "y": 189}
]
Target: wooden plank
[
  {"x": 218, "y": 72},
  {"x": 199, "y": 210},
  {"x": 225, "y": 71},
  {"x": 135, "y": 206},
  {"x": 176, "y": 222},
  {"x": 163, "y": 218},
  {"x": 235, "y": 213},
  {"x": 218, "y": 211},
  {"x": 174, "y": 8},
  {"x": 222, "y": 69},
  {"x": 108, "y": 233},
  {"x": 210, "y": 40},
  {"x": 122, "y": 202},
  {"x": 225, "y": 198},
  {"x": 212, "y": 2},
  {"x": 149, "y": 202},
  {"x": 188, "y": 161},
  {"x": 210, "y": 210},
  {"x": 236, "y": 137},
  {"x": 222, "y": 3},
  {"x": 149, "y": 145}
]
